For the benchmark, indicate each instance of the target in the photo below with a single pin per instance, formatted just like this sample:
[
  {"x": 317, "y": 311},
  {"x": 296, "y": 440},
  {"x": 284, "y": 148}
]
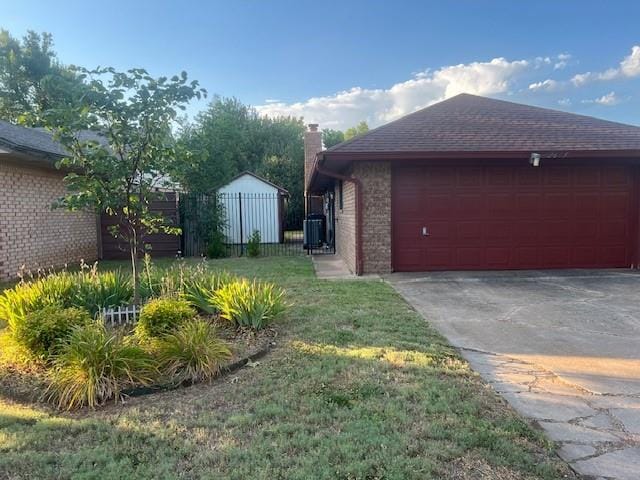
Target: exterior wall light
[{"x": 535, "y": 159}]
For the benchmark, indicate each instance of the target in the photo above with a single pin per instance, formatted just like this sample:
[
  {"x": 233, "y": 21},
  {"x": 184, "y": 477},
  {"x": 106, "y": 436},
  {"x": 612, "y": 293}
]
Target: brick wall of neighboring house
[
  {"x": 346, "y": 224},
  {"x": 31, "y": 233},
  {"x": 376, "y": 224}
]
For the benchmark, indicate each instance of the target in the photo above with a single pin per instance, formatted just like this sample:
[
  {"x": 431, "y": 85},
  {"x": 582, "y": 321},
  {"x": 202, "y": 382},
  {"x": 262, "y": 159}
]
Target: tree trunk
[{"x": 133, "y": 247}]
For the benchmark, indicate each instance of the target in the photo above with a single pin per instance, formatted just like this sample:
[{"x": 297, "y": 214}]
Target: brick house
[
  {"x": 473, "y": 183},
  {"x": 31, "y": 232}
]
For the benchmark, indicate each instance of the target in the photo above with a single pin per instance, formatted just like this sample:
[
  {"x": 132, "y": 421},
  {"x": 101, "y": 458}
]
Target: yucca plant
[
  {"x": 192, "y": 353},
  {"x": 250, "y": 304},
  {"x": 95, "y": 365},
  {"x": 200, "y": 290}
]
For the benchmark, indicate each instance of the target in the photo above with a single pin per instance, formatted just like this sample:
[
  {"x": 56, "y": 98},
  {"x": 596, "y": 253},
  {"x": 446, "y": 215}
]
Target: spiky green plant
[
  {"x": 192, "y": 353},
  {"x": 250, "y": 304},
  {"x": 95, "y": 365},
  {"x": 200, "y": 290}
]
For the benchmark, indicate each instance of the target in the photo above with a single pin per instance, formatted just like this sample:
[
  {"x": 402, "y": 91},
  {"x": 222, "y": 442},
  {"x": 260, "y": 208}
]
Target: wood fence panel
[{"x": 162, "y": 244}]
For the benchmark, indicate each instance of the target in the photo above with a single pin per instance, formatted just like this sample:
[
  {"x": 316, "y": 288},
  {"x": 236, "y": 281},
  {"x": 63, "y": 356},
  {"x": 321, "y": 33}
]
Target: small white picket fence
[{"x": 118, "y": 316}]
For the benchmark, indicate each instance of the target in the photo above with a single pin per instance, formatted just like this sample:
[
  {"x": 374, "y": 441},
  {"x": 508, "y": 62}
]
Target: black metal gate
[{"x": 224, "y": 224}]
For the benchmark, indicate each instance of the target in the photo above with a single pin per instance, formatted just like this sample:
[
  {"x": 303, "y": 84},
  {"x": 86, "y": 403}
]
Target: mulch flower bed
[{"x": 28, "y": 384}]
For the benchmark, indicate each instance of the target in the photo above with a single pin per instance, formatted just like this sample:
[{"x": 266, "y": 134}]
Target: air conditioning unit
[{"x": 314, "y": 231}]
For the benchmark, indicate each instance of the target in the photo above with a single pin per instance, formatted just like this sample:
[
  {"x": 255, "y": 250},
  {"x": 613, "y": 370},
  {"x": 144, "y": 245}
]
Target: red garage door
[{"x": 512, "y": 217}]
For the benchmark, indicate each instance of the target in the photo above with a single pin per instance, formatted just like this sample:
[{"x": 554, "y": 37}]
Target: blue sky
[{"x": 338, "y": 62}]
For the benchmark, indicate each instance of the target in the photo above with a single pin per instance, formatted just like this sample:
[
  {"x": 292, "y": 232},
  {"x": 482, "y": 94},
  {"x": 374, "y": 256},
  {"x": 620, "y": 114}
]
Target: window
[{"x": 340, "y": 198}]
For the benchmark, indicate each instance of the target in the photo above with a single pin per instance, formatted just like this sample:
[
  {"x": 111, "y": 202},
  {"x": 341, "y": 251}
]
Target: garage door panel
[
  {"x": 556, "y": 205},
  {"x": 469, "y": 206},
  {"x": 555, "y": 232},
  {"x": 616, "y": 176},
  {"x": 558, "y": 176},
  {"x": 584, "y": 256},
  {"x": 555, "y": 257},
  {"x": 586, "y": 205},
  {"x": 506, "y": 217},
  {"x": 498, "y": 257},
  {"x": 440, "y": 257},
  {"x": 587, "y": 177},
  {"x": 470, "y": 257},
  {"x": 469, "y": 231}
]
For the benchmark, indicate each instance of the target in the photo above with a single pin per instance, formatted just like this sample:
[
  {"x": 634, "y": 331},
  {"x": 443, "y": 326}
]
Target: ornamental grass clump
[
  {"x": 250, "y": 304},
  {"x": 95, "y": 365},
  {"x": 192, "y": 353},
  {"x": 162, "y": 315}
]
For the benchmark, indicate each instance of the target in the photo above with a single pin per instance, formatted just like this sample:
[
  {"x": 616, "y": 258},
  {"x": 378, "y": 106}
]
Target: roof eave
[{"x": 345, "y": 157}]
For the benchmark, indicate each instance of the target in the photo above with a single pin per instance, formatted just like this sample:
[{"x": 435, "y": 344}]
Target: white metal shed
[{"x": 253, "y": 203}]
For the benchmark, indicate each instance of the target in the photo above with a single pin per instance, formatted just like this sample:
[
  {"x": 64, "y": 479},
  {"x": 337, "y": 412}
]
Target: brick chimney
[{"x": 312, "y": 145}]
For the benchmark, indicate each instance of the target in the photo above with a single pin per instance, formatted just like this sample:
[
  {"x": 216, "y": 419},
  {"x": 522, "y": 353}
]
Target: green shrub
[
  {"x": 95, "y": 365},
  {"x": 200, "y": 290},
  {"x": 192, "y": 353},
  {"x": 42, "y": 331},
  {"x": 253, "y": 244},
  {"x": 161, "y": 315},
  {"x": 250, "y": 304},
  {"x": 216, "y": 247}
]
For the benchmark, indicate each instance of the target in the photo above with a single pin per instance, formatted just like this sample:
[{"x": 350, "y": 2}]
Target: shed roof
[{"x": 258, "y": 177}]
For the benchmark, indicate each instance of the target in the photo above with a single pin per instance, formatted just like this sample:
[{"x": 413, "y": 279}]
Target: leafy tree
[
  {"x": 230, "y": 137},
  {"x": 222, "y": 142},
  {"x": 116, "y": 169},
  {"x": 359, "y": 129},
  {"x": 332, "y": 137},
  {"x": 32, "y": 80}
]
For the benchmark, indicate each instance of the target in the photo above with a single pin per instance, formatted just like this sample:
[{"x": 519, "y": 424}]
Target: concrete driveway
[{"x": 563, "y": 347}]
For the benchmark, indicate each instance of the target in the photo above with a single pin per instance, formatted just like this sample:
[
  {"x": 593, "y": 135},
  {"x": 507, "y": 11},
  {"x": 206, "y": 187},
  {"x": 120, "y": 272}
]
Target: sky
[{"x": 339, "y": 62}]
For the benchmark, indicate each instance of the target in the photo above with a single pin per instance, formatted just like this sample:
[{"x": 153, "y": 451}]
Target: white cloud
[
  {"x": 271, "y": 100},
  {"x": 608, "y": 100},
  {"x": 546, "y": 85},
  {"x": 377, "y": 106},
  {"x": 562, "y": 61},
  {"x": 629, "y": 67},
  {"x": 565, "y": 102}
]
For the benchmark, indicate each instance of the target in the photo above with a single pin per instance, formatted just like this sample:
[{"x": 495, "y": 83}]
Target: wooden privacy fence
[{"x": 160, "y": 244}]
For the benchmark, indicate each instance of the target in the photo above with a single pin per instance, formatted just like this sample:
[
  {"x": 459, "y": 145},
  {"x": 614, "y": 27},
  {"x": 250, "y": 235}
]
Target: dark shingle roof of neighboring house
[
  {"x": 37, "y": 140},
  {"x": 469, "y": 123},
  {"x": 29, "y": 139}
]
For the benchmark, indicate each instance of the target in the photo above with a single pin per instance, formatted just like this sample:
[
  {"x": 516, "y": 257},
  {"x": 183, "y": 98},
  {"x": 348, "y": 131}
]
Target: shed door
[{"x": 512, "y": 217}]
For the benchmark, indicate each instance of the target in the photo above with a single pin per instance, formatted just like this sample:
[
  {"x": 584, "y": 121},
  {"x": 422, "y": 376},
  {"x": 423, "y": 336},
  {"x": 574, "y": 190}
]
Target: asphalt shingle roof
[
  {"x": 469, "y": 123},
  {"x": 25, "y": 138}
]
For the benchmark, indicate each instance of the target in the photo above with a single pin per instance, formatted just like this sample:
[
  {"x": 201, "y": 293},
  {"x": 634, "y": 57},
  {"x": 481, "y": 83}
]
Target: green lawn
[{"x": 359, "y": 387}]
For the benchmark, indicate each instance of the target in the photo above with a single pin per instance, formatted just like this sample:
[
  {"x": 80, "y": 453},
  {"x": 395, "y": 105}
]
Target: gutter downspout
[{"x": 358, "y": 187}]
